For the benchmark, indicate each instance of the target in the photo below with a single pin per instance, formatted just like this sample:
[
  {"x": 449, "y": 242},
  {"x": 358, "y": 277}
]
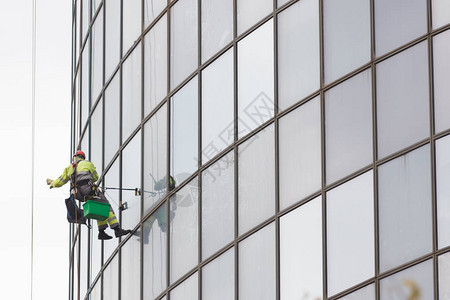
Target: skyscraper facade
[{"x": 265, "y": 149}]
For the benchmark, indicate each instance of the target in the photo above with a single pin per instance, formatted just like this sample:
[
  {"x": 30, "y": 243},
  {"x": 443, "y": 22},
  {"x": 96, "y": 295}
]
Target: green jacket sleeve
[{"x": 64, "y": 178}]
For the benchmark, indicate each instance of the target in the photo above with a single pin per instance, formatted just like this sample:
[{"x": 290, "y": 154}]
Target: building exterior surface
[{"x": 309, "y": 142}]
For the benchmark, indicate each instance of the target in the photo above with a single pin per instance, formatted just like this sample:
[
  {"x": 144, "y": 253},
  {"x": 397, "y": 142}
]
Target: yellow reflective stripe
[
  {"x": 63, "y": 180},
  {"x": 112, "y": 218}
]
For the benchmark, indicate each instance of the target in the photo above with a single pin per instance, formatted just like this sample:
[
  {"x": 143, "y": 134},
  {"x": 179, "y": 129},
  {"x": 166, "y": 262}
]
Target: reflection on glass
[
  {"x": 112, "y": 114},
  {"x": 443, "y": 190},
  {"x": 184, "y": 230},
  {"x": 131, "y": 180},
  {"x": 112, "y": 36},
  {"x": 155, "y": 248},
  {"x": 183, "y": 41},
  {"x": 348, "y": 126},
  {"x": 112, "y": 180},
  {"x": 155, "y": 65},
  {"x": 217, "y": 106},
  {"x": 256, "y": 182},
  {"x": 218, "y": 205},
  {"x": 444, "y": 276},
  {"x": 217, "y": 26},
  {"x": 218, "y": 278},
  {"x": 188, "y": 290},
  {"x": 97, "y": 57},
  {"x": 366, "y": 293},
  {"x": 404, "y": 204},
  {"x": 441, "y": 78},
  {"x": 131, "y": 269},
  {"x": 402, "y": 100},
  {"x": 440, "y": 9},
  {"x": 350, "y": 233},
  {"x": 184, "y": 131},
  {"x": 84, "y": 86},
  {"x": 248, "y": 14},
  {"x": 152, "y": 8},
  {"x": 131, "y": 93},
  {"x": 155, "y": 158},
  {"x": 111, "y": 279},
  {"x": 255, "y": 79},
  {"x": 131, "y": 21},
  {"x": 257, "y": 265},
  {"x": 96, "y": 155},
  {"x": 299, "y": 148},
  {"x": 301, "y": 252},
  {"x": 413, "y": 283},
  {"x": 298, "y": 52},
  {"x": 398, "y": 22}
]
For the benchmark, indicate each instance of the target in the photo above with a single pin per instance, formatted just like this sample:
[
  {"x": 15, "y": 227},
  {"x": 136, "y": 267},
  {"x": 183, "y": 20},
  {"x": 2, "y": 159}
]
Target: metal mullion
[
  {"x": 168, "y": 134},
  {"x": 141, "y": 225},
  {"x": 199, "y": 140},
  {"x": 79, "y": 261},
  {"x": 119, "y": 254}
]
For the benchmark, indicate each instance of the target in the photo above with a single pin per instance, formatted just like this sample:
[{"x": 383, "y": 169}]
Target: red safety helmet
[{"x": 80, "y": 153}]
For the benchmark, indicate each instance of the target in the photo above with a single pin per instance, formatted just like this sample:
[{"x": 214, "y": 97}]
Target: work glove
[{"x": 49, "y": 182}]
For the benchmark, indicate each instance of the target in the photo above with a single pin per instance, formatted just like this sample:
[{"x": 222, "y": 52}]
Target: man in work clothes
[{"x": 82, "y": 175}]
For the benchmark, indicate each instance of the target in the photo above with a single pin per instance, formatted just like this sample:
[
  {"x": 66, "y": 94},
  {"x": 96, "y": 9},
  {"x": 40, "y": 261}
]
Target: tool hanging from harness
[{"x": 74, "y": 213}]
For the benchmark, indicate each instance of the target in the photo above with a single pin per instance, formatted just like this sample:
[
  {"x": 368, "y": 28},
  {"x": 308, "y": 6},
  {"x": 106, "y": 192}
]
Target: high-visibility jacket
[{"x": 85, "y": 171}]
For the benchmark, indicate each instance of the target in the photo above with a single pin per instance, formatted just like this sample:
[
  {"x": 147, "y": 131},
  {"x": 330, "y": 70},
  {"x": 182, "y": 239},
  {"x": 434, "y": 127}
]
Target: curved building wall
[{"x": 308, "y": 140}]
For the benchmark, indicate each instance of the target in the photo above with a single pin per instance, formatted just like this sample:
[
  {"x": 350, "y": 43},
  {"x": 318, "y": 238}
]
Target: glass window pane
[
  {"x": 441, "y": 67},
  {"x": 131, "y": 269},
  {"x": 255, "y": 78},
  {"x": 131, "y": 93},
  {"x": 96, "y": 252},
  {"x": 440, "y": 12},
  {"x": 96, "y": 155},
  {"x": 218, "y": 278},
  {"x": 256, "y": 179},
  {"x": 257, "y": 265},
  {"x": 187, "y": 290},
  {"x": 366, "y": 293},
  {"x": 96, "y": 293},
  {"x": 348, "y": 126},
  {"x": 298, "y": 52},
  {"x": 84, "y": 260},
  {"x": 402, "y": 100},
  {"x": 301, "y": 252},
  {"x": 444, "y": 276},
  {"x": 131, "y": 180},
  {"x": 350, "y": 233},
  {"x": 85, "y": 10},
  {"x": 248, "y": 13},
  {"x": 131, "y": 14},
  {"x": 410, "y": 283},
  {"x": 77, "y": 31},
  {"x": 443, "y": 190},
  {"x": 398, "y": 22},
  {"x": 155, "y": 158},
  {"x": 155, "y": 65},
  {"x": 217, "y": 106},
  {"x": 112, "y": 114},
  {"x": 152, "y": 8},
  {"x": 112, "y": 36},
  {"x": 155, "y": 249},
  {"x": 404, "y": 204},
  {"x": 112, "y": 180},
  {"x": 218, "y": 205},
  {"x": 183, "y": 41},
  {"x": 184, "y": 230},
  {"x": 346, "y": 36},
  {"x": 184, "y": 131},
  {"x": 217, "y": 26},
  {"x": 299, "y": 148},
  {"x": 111, "y": 280},
  {"x": 96, "y": 4},
  {"x": 97, "y": 56},
  {"x": 84, "y": 86},
  {"x": 282, "y": 2}
]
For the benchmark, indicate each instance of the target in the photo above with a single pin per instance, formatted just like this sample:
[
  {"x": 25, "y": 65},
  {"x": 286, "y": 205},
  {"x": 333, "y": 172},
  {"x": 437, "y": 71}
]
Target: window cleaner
[{"x": 82, "y": 175}]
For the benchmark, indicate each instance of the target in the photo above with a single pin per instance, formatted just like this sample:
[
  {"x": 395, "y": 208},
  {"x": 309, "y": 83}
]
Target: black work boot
[
  {"x": 102, "y": 235},
  {"x": 120, "y": 232}
]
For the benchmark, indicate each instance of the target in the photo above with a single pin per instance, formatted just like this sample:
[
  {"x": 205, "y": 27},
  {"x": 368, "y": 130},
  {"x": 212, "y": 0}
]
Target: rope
[{"x": 33, "y": 124}]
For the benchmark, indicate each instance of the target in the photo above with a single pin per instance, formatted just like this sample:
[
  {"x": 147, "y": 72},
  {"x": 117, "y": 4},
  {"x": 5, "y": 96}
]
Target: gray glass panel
[
  {"x": 298, "y": 52},
  {"x": 441, "y": 67},
  {"x": 96, "y": 155},
  {"x": 346, "y": 36},
  {"x": 398, "y": 22},
  {"x": 131, "y": 19},
  {"x": 299, "y": 148},
  {"x": 255, "y": 79},
  {"x": 84, "y": 86},
  {"x": 131, "y": 269},
  {"x": 350, "y": 234},
  {"x": 301, "y": 252},
  {"x": 131, "y": 93},
  {"x": 184, "y": 230},
  {"x": 443, "y": 190},
  {"x": 155, "y": 158},
  {"x": 256, "y": 182},
  {"x": 131, "y": 180},
  {"x": 348, "y": 126},
  {"x": 188, "y": 290},
  {"x": 84, "y": 145},
  {"x": 413, "y": 283},
  {"x": 217, "y": 106},
  {"x": 155, "y": 248},
  {"x": 402, "y": 100},
  {"x": 96, "y": 293},
  {"x": 282, "y": 2},
  {"x": 111, "y": 279},
  {"x": 112, "y": 114},
  {"x": 84, "y": 260},
  {"x": 95, "y": 5},
  {"x": 184, "y": 131},
  {"x": 152, "y": 8},
  {"x": 257, "y": 265},
  {"x": 96, "y": 252},
  {"x": 366, "y": 293},
  {"x": 249, "y": 13},
  {"x": 218, "y": 205},
  {"x": 444, "y": 276},
  {"x": 217, "y": 26},
  {"x": 155, "y": 65},
  {"x": 112, "y": 36},
  {"x": 218, "y": 278},
  {"x": 77, "y": 32},
  {"x": 112, "y": 180},
  {"x": 404, "y": 198},
  {"x": 440, "y": 12},
  {"x": 85, "y": 10},
  {"x": 97, "y": 57},
  {"x": 183, "y": 41}
]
